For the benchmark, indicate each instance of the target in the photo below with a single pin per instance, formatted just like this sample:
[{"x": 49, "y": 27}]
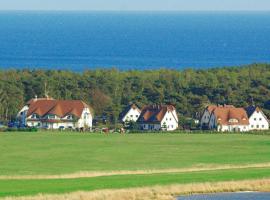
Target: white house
[
  {"x": 158, "y": 117},
  {"x": 229, "y": 118},
  {"x": 131, "y": 113},
  {"x": 257, "y": 119},
  {"x": 54, "y": 114}
]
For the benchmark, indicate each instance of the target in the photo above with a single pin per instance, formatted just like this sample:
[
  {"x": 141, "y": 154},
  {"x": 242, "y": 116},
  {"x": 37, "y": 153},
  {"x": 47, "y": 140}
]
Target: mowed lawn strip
[
  {"x": 53, "y": 153},
  {"x": 58, "y": 186}
]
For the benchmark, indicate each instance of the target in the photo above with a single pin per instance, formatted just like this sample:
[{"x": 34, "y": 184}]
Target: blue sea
[{"x": 133, "y": 40}]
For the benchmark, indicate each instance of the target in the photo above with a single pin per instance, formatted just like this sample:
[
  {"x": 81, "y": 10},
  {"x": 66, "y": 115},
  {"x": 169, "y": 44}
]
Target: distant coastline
[{"x": 44, "y": 68}]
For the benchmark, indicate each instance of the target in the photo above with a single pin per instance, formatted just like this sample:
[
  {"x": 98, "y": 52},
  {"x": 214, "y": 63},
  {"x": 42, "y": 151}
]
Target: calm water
[
  {"x": 80, "y": 40},
  {"x": 230, "y": 196}
]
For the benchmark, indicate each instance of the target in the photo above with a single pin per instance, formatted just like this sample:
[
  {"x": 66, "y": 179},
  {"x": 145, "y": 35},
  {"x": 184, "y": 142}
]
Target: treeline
[{"x": 108, "y": 91}]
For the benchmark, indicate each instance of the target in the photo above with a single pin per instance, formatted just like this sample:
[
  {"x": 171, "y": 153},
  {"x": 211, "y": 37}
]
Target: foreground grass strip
[
  {"x": 58, "y": 186},
  {"x": 32, "y": 153},
  {"x": 158, "y": 192},
  {"x": 137, "y": 172}
]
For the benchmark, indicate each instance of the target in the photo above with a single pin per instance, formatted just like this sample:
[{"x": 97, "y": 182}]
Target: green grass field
[{"x": 64, "y": 153}]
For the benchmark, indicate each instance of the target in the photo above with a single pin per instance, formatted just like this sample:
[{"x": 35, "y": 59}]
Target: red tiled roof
[
  {"x": 229, "y": 115},
  {"x": 154, "y": 113},
  {"x": 211, "y": 108},
  {"x": 61, "y": 108}
]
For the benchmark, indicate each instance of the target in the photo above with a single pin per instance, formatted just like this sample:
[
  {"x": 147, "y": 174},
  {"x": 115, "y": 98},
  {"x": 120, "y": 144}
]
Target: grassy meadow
[{"x": 27, "y": 160}]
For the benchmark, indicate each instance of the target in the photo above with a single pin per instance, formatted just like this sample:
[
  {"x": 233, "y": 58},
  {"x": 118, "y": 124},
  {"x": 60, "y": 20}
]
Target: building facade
[
  {"x": 205, "y": 118},
  {"x": 131, "y": 113},
  {"x": 158, "y": 117},
  {"x": 49, "y": 113},
  {"x": 226, "y": 118},
  {"x": 257, "y": 119}
]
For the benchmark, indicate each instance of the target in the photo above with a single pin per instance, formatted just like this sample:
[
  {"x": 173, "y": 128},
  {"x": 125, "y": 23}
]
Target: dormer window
[
  {"x": 34, "y": 116},
  {"x": 233, "y": 120},
  {"x": 51, "y": 116},
  {"x": 70, "y": 117}
]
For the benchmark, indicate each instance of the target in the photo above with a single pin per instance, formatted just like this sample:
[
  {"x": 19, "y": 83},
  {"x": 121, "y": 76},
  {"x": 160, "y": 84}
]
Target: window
[
  {"x": 255, "y": 119},
  {"x": 51, "y": 116},
  {"x": 172, "y": 126},
  {"x": 137, "y": 115},
  {"x": 69, "y": 117},
  {"x": 258, "y": 126},
  {"x": 170, "y": 119},
  {"x": 233, "y": 120},
  {"x": 34, "y": 116},
  {"x": 252, "y": 126},
  {"x": 131, "y": 116},
  {"x": 262, "y": 126},
  {"x": 260, "y": 119}
]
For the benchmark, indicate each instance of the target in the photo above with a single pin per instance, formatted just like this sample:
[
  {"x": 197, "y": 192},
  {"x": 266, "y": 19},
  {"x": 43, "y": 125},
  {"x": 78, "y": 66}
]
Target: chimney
[{"x": 36, "y": 98}]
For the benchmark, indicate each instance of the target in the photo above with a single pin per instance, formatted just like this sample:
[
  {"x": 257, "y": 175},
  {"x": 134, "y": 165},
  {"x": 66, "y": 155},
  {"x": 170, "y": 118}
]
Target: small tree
[
  {"x": 131, "y": 125},
  {"x": 164, "y": 127}
]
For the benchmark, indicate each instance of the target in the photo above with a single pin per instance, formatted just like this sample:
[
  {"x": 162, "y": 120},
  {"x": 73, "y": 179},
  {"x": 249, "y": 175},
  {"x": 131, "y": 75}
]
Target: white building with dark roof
[
  {"x": 257, "y": 119},
  {"x": 131, "y": 113}
]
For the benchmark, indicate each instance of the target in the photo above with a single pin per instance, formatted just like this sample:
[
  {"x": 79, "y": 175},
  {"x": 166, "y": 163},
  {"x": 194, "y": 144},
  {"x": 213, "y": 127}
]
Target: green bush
[{"x": 29, "y": 129}]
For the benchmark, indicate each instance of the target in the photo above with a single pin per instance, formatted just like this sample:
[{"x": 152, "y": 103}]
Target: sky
[{"x": 139, "y": 5}]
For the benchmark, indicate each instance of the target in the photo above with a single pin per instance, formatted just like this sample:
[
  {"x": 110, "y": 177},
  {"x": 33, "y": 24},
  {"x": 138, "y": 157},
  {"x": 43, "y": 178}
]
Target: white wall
[
  {"x": 85, "y": 120},
  {"x": 233, "y": 128},
  {"x": 258, "y": 121},
  {"x": 132, "y": 115},
  {"x": 213, "y": 125},
  {"x": 171, "y": 121}
]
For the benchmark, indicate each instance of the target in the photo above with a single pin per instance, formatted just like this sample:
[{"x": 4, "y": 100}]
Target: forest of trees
[{"x": 108, "y": 91}]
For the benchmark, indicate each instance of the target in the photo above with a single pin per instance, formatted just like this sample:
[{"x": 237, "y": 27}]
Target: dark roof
[{"x": 250, "y": 110}]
